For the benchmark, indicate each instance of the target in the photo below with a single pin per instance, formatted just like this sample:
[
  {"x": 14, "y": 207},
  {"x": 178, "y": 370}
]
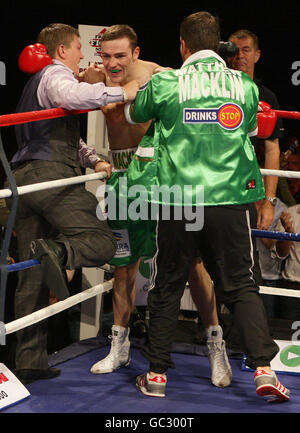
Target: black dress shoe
[
  {"x": 52, "y": 256},
  {"x": 28, "y": 376}
]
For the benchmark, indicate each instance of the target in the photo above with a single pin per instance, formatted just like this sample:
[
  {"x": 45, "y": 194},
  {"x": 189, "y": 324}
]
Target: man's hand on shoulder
[{"x": 130, "y": 90}]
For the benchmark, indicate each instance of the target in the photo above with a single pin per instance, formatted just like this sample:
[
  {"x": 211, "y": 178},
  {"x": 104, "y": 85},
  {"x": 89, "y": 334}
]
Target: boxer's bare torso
[{"x": 122, "y": 135}]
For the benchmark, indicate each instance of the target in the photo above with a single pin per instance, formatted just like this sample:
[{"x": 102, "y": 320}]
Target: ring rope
[
  {"x": 52, "y": 113},
  {"x": 20, "y": 266},
  {"x": 26, "y": 189},
  {"x": 295, "y": 237},
  {"x": 282, "y": 236},
  {"x": 59, "y": 306},
  {"x": 34, "y": 116},
  {"x": 278, "y": 291},
  {"x": 280, "y": 173},
  {"x": 18, "y": 118},
  {"x": 5, "y": 193},
  {"x": 287, "y": 114}
]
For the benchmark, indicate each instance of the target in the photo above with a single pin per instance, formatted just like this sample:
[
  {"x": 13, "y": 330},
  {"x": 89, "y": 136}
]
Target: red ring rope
[
  {"x": 287, "y": 114},
  {"x": 33, "y": 116},
  {"x": 52, "y": 113}
]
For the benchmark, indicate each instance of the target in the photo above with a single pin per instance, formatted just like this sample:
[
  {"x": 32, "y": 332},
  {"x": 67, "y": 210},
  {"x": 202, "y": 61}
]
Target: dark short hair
[
  {"x": 55, "y": 34},
  {"x": 119, "y": 31},
  {"x": 243, "y": 34},
  {"x": 201, "y": 31}
]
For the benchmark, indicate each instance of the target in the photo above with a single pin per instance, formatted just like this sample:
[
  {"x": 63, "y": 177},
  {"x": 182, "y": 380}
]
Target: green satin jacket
[{"x": 203, "y": 115}]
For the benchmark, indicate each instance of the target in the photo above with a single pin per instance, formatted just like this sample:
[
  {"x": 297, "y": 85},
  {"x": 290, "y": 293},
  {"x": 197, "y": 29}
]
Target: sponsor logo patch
[
  {"x": 123, "y": 244},
  {"x": 228, "y": 116},
  {"x": 251, "y": 184}
]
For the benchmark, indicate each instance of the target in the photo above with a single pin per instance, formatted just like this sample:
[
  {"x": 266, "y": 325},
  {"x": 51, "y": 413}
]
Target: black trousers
[
  {"x": 67, "y": 215},
  {"x": 227, "y": 249}
]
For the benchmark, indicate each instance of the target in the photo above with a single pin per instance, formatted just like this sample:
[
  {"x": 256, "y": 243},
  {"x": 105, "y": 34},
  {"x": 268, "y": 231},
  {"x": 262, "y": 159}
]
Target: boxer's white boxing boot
[
  {"x": 119, "y": 355},
  {"x": 221, "y": 373}
]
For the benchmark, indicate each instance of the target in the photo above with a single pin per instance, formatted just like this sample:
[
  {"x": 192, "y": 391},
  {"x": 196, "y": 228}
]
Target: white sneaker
[
  {"x": 221, "y": 373},
  {"x": 119, "y": 355},
  {"x": 155, "y": 386}
]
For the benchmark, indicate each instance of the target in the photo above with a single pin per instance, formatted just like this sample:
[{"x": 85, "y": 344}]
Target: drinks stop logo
[
  {"x": 228, "y": 116},
  {"x": 290, "y": 356}
]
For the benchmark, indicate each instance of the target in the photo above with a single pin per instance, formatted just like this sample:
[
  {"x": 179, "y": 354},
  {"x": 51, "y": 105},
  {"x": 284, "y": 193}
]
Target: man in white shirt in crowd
[
  {"x": 289, "y": 251},
  {"x": 269, "y": 264}
]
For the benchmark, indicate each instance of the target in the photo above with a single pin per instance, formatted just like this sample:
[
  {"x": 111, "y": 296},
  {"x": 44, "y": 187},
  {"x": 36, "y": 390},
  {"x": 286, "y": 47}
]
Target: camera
[{"x": 227, "y": 49}]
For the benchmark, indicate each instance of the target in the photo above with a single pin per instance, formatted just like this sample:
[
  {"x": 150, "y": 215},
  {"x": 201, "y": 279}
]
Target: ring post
[{"x": 8, "y": 232}]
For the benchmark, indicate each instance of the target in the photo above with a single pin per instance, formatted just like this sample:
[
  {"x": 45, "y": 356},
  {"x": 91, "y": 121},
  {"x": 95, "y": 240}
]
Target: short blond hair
[{"x": 56, "y": 34}]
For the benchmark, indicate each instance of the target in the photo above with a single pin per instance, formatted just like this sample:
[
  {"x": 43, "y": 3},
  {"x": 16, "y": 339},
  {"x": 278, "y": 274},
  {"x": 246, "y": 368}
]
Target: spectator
[
  {"x": 271, "y": 266},
  {"x": 289, "y": 252},
  {"x": 289, "y": 188},
  {"x": 245, "y": 60}
]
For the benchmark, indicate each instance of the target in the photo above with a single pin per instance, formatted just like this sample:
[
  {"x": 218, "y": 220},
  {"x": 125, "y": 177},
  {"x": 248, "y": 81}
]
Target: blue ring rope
[
  {"x": 281, "y": 236},
  {"x": 22, "y": 265},
  {"x": 255, "y": 233}
]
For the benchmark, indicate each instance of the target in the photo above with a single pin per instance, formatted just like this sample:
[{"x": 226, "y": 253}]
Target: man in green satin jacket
[{"x": 204, "y": 115}]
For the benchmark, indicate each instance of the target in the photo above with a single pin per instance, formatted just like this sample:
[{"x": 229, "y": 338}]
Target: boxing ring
[{"x": 14, "y": 192}]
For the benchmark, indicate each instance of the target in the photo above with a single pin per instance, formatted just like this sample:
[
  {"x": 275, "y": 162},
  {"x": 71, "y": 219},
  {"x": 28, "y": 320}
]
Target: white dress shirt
[{"x": 59, "y": 88}]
